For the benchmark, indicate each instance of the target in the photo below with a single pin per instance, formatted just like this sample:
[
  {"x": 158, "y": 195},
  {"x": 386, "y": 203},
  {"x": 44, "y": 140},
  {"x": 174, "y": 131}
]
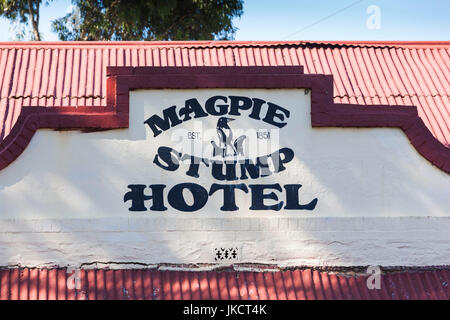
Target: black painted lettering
[
  {"x": 192, "y": 106},
  {"x": 256, "y": 110},
  {"x": 258, "y": 197},
  {"x": 249, "y": 167},
  {"x": 170, "y": 156},
  {"x": 138, "y": 198},
  {"x": 158, "y": 125},
  {"x": 236, "y": 103},
  {"x": 276, "y": 112},
  {"x": 230, "y": 171},
  {"x": 216, "y": 109},
  {"x": 281, "y": 157},
  {"x": 229, "y": 196},
  {"x": 194, "y": 164},
  {"x": 177, "y": 201},
  {"x": 292, "y": 199}
]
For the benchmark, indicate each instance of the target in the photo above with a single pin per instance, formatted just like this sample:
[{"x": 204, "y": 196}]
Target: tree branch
[
  {"x": 34, "y": 20},
  {"x": 164, "y": 35}
]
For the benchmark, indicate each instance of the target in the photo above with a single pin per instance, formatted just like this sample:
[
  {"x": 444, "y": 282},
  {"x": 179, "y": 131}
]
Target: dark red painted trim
[
  {"x": 324, "y": 112},
  {"x": 58, "y": 118}
]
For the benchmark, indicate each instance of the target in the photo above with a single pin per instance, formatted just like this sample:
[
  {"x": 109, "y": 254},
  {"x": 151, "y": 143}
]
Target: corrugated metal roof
[
  {"x": 73, "y": 73},
  {"x": 98, "y": 284}
]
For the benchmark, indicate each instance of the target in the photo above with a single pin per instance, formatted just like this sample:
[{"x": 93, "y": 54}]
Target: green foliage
[
  {"x": 24, "y": 12},
  {"x": 14, "y": 10},
  {"x": 149, "y": 20}
]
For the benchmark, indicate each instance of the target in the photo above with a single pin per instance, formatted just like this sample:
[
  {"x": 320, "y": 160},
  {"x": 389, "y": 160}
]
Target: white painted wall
[{"x": 380, "y": 202}]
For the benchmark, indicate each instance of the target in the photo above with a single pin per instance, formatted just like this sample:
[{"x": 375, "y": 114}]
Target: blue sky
[{"x": 314, "y": 20}]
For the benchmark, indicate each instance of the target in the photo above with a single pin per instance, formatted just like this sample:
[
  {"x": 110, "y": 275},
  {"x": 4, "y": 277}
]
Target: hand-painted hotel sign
[{"x": 227, "y": 153}]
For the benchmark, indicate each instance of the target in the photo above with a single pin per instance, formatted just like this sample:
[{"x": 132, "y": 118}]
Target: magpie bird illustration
[
  {"x": 226, "y": 146},
  {"x": 239, "y": 145}
]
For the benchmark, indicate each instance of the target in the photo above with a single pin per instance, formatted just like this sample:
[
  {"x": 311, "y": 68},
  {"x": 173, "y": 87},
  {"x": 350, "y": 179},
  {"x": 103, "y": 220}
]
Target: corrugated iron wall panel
[
  {"x": 139, "y": 284},
  {"x": 50, "y": 74}
]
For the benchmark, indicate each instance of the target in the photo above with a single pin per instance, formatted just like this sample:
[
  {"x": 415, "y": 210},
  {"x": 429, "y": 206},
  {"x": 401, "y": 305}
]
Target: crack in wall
[{"x": 236, "y": 267}]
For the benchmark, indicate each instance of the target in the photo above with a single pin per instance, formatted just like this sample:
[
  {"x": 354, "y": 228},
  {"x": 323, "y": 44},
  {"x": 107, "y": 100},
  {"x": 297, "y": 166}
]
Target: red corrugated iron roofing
[
  {"x": 74, "y": 73},
  {"x": 99, "y": 284}
]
